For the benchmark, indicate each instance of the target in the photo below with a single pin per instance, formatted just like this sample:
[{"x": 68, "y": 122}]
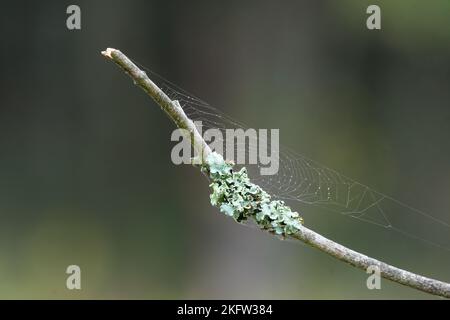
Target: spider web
[{"x": 305, "y": 181}]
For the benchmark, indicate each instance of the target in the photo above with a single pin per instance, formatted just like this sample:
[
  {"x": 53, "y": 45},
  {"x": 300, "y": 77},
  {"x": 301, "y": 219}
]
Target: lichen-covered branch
[{"x": 236, "y": 196}]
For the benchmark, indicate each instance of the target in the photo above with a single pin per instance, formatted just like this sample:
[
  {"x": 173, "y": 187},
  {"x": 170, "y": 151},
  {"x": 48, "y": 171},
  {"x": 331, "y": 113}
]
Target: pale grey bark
[
  {"x": 356, "y": 259},
  {"x": 171, "y": 107},
  {"x": 362, "y": 261}
]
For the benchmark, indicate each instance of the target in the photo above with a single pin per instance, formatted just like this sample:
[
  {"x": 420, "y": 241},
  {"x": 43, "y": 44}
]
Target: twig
[
  {"x": 171, "y": 107},
  {"x": 356, "y": 259}
]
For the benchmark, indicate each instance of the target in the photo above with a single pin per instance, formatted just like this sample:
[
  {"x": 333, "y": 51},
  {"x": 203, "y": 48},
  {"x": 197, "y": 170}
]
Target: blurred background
[{"x": 85, "y": 170}]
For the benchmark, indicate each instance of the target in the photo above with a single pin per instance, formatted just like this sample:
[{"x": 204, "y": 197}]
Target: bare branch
[{"x": 171, "y": 107}]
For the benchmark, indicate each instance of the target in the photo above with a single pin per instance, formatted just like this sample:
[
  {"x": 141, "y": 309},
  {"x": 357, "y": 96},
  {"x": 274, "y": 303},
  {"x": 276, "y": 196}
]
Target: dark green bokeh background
[{"x": 85, "y": 170}]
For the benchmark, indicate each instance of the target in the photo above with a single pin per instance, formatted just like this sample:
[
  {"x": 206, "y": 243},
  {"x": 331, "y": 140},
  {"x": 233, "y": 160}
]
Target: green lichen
[{"x": 241, "y": 199}]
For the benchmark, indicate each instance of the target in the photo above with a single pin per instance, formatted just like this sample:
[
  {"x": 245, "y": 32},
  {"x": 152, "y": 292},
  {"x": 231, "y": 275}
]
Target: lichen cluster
[{"x": 241, "y": 199}]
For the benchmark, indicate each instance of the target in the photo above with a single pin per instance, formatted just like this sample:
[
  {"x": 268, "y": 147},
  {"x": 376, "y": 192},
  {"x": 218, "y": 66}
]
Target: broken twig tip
[{"x": 107, "y": 52}]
